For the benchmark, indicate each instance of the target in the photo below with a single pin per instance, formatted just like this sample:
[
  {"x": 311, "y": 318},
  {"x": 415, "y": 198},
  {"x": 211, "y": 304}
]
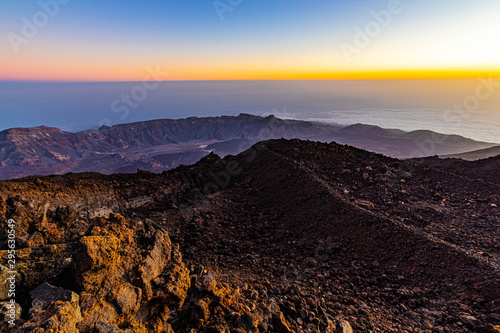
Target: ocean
[{"x": 467, "y": 107}]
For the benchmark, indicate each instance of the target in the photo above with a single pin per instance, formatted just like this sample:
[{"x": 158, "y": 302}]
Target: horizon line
[
  {"x": 395, "y": 74},
  {"x": 493, "y": 76}
]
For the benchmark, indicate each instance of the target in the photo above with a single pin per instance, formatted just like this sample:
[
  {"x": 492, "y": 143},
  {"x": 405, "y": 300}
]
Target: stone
[
  {"x": 58, "y": 316},
  {"x": 247, "y": 321},
  {"x": 45, "y": 294},
  {"x": 128, "y": 298},
  {"x": 157, "y": 258},
  {"x": 177, "y": 282},
  {"x": 201, "y": 311},
  {"x": 365, "y": 204},
  {"x": 343, "y": 326},
  {"x": 208, "y": 282},
  {"x": 102, "y": 327},
  {"x": 93, "y": 259},
  {"x": 97, "y": 252},
  {"x": 331, "y": 327},
  {"x": 280, "y": 324},
  {"x": 35, "y": 240},
  {"x": 9, "y": 311},
  {"x": 4, "y": 283},
  {"x": 263, "y": 327},
  {"x": 100, "y": 310}
]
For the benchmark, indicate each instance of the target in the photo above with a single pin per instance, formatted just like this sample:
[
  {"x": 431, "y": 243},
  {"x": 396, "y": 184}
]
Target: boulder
[
  {"x": 45, "y": 294},
  {"x": 58, "y": 316},
  {"x": 97, "y": 252},
  {"x": 157, "y": 259},
  {"x": 128, "y": 298},
  {"x": 96, "y": 310},
  {"x": 95, "y": 255},
  {"x": 4, "y": 283},
  {"x": 9, "y": 311},
  {"x": 200, "y": 312},
  {"x": 343, "y": 326},
  {"x": 177, "y": 282}
]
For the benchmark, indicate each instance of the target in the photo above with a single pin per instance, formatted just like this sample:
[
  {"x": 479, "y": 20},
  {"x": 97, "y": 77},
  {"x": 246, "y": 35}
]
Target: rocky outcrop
[
  {"x": 114, "y": 271},
  {"x": 120, "y": 279},
  {"x": 129, "y": 277}
]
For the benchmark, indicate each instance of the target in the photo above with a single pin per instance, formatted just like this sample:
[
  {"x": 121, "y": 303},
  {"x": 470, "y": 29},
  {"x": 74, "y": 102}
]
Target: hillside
[
  {"x": 401, "y": 144},
  {"x": 476, "y": 154},
  {"x": 288, "y": 236}
]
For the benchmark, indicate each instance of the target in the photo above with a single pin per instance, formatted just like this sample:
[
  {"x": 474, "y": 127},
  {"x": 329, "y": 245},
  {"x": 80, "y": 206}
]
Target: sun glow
[{"x": 459, "y": 42}]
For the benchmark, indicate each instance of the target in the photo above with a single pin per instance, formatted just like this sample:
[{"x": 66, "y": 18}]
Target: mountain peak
[{"x": 32, "y": 130}]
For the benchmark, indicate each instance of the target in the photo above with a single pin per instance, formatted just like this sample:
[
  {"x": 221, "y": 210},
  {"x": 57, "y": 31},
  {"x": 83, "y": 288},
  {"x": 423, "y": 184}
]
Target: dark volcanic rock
[{"x": 276, "y": 239}]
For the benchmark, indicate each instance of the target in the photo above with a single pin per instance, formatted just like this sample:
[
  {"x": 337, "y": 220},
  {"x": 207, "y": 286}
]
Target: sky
[{"x": 126, "y": 40}]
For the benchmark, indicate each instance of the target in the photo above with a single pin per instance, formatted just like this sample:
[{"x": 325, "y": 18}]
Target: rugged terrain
[
  {"x": 288, "y": 236},
  {"x": 163, "y": 144}
]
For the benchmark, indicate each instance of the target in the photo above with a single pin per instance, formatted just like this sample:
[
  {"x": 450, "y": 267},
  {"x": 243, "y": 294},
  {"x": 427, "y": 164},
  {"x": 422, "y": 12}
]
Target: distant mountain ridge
[
  {"x": 162, "y": 144},
  {"x": 476, "y": 154},
  {"x": 47, "y": 150}
]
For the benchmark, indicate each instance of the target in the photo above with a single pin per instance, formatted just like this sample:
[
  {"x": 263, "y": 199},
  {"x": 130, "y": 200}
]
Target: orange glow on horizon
[
  {"x": 46, "y": 68},
  {"x": 121, "y": 76}
]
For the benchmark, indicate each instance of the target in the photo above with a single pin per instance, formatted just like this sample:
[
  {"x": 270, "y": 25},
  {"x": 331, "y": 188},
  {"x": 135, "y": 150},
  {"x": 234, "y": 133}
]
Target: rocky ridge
[{"x": 289, "y": 236}]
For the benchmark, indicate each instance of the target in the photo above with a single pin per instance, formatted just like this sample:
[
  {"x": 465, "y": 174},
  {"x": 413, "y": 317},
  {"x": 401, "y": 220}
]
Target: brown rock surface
[{"x": 280, "y": 238}]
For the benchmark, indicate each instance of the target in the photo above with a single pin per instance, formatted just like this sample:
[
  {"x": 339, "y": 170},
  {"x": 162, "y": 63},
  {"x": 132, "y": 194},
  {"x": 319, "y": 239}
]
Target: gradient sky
[{"x": 280, "y": 39}]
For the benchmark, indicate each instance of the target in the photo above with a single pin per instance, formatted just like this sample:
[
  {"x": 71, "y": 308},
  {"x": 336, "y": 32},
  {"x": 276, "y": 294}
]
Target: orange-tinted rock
[
  {"x": 343, "y": 326},
  {"x": 58, "y": 316},
  {"x": 201, "y": 311},
  {"x": 157, "y": 259},
  {"x": 280, "y": 324},
  {"x": 128, "y": 298},
  {"x": 36, "y": 240}
]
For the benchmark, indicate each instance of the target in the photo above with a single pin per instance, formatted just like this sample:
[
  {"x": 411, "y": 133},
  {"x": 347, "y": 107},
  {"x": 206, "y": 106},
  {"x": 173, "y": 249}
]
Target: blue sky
[{"x": 115, "y": 40}]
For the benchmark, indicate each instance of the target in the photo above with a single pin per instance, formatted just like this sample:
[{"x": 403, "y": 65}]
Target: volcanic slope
[{"x": 318, "y": 233}]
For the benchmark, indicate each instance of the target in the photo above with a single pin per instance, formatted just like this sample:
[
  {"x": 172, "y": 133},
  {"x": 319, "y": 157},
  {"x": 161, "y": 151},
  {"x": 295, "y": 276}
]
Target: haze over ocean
[{"x": 466, "y": 107}]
